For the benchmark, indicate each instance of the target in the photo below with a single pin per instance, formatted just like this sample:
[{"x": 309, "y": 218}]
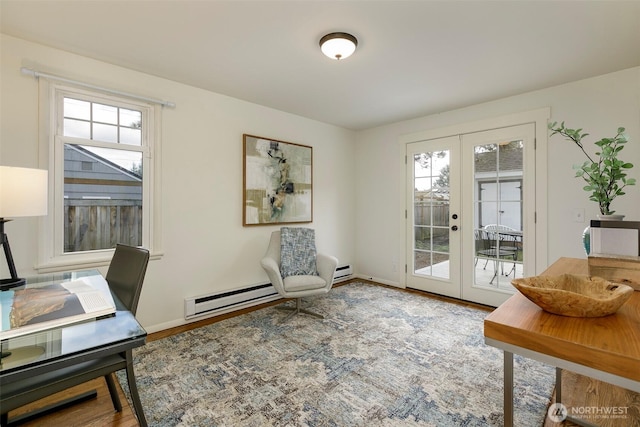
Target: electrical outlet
[{"x": 578, "y": 215}]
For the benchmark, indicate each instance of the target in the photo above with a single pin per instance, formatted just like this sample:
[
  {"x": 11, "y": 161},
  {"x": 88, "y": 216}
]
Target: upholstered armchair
[{"x": 299, "y": 282}]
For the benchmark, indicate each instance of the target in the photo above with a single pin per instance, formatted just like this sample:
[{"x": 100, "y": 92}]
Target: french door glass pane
[
  {"x": 498, "y": 216},
  {"x": 431, "y": 214}
]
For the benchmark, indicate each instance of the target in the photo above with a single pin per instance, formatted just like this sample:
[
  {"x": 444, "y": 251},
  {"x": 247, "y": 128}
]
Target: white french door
[
  {"x": 470, "y": 209},
  {"x": 499, "y": 199},
  {"x": 433, "y": 218}
]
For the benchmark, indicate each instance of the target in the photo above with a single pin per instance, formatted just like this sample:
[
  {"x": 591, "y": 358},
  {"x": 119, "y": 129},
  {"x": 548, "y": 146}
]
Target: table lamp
[{"x": 23, "y": 192}]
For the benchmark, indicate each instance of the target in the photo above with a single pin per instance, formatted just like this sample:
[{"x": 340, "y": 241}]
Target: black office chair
[
  {"x": 125, "y": 277},
  {"x": 126, "y": 274}
]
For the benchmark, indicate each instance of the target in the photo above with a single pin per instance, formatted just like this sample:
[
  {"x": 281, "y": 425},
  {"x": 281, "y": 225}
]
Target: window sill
[{"x": 95, "y": 261}]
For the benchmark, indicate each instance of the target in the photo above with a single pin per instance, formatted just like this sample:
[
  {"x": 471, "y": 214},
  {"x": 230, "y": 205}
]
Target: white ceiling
[{"x": 414, "y": 58}]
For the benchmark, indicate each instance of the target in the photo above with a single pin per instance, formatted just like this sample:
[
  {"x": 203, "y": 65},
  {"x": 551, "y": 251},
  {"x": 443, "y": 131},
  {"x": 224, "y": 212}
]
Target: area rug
[{"x": 381, "y": 357}]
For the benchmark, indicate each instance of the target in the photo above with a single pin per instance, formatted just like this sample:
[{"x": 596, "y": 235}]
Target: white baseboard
[{"x": 379, "y": 280}]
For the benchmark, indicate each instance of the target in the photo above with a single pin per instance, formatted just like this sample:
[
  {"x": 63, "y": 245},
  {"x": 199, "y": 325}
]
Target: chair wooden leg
[{"x": 113, "y": 391}]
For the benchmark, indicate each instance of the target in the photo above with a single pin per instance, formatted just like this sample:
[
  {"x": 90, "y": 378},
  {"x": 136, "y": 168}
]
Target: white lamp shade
[
  {"x": 338, "y": 45},
  {"x": 23, "y": 192}
]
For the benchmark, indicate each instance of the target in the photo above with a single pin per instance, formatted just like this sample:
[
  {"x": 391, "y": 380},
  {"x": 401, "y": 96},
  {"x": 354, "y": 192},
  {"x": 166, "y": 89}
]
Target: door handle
[{"x": 454, "y": 228}]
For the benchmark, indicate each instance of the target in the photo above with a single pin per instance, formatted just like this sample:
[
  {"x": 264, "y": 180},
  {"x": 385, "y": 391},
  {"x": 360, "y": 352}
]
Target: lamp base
[{"x": 11, "y": 283}]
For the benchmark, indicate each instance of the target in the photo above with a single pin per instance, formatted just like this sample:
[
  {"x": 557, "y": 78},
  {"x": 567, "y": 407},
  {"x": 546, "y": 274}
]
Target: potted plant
[{"x": 606, "y": 176}]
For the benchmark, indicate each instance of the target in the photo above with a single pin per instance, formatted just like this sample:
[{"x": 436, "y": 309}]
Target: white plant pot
[{"x": 610, "y": 217}]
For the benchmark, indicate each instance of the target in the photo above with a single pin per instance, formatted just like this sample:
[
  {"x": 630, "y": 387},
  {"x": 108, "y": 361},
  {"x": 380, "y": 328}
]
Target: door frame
[{"x": 540, "y": 118}]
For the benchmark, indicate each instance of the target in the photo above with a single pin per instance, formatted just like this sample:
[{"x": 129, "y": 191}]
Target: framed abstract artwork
[{"x": 277, "y": 182}]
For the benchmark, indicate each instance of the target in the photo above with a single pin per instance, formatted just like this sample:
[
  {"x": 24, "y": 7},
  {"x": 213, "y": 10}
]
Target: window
[{"x": 102, "y": 157}]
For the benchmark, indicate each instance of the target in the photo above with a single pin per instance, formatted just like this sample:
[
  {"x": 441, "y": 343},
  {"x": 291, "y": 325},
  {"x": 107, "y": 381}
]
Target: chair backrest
[
  {"x": 273, "y": 251},
  {"x": 483, "y": 241},
  {"x": 126, "y": 274},
  {"x": 500, "y": 232},
  {"x": 495, "y": 229}
]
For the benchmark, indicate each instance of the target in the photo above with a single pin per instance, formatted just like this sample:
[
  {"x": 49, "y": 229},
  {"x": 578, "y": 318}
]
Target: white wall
[
  {"x": 206, "y": 247},
  {"x": 598, "y": 105}
]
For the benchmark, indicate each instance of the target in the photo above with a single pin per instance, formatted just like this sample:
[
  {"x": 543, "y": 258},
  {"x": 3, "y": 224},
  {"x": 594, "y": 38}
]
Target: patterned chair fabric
[{"x": 297, "y": 252}]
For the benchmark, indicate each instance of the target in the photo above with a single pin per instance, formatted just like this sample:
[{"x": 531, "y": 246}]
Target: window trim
[{"x": 51, "y": 255}]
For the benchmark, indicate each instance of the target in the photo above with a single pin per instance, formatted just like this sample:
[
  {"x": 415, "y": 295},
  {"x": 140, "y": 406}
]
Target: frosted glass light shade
[
  {"x": 338, "y": 45},
  {"x": 23, "y": 192}
]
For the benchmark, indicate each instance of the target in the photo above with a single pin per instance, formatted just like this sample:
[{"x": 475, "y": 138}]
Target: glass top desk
[{"x": 62, "y": 348}]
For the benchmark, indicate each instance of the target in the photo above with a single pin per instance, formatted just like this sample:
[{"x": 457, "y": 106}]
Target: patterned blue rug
[{"x": 381, "y": 357}]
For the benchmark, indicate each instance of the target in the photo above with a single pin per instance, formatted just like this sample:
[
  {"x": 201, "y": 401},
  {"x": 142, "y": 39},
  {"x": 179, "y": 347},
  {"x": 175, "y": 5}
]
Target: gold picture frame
[{"x": 277, "y": 182}]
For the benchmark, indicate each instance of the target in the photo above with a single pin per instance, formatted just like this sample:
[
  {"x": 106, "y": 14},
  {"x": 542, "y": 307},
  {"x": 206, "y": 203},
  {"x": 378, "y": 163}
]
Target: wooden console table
[{"x": 604, "y": 348}]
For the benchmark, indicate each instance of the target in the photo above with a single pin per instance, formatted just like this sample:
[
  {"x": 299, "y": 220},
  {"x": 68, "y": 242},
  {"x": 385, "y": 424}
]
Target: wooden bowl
[{"x": 574, "y": 295}]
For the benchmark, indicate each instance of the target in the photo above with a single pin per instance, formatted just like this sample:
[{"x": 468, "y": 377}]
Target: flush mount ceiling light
[{"x": 338, "y": 45}]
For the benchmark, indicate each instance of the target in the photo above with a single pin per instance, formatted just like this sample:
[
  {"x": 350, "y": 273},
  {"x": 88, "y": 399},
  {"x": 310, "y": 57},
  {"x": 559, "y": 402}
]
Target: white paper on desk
[
  {"x": 614, "y": 241},
  {"x": 90, "y": 298},
  {"x": 78, "y": 286}
]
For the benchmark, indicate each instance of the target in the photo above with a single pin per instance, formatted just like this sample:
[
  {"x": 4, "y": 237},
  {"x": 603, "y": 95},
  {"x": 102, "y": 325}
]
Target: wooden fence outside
[
  {"x": 431, "y": 213},
  {"x": 100, "y": 224}
]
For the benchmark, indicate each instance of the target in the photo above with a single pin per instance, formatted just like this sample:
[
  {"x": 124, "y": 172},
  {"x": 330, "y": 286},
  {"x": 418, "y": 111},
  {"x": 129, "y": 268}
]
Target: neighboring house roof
[
  {"x": 91, "y": 176},
  {"x": 91, "y": 156},
  {"x": 510, "y": 160}
]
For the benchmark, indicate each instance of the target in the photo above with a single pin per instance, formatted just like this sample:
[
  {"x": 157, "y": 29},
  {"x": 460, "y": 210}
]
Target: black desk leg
[{"x": 133, "y": 389}]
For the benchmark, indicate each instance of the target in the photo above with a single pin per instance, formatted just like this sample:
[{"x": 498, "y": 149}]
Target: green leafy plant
[{"x": 606, "y": 176}]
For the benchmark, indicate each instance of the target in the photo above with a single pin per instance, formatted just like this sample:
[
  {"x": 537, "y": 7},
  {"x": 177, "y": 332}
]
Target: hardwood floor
[
  {"x": 577, "y": 390},
  {"x": 94, "y": 412}
]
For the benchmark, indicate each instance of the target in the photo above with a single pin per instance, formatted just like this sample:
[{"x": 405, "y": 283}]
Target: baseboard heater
[
  {"x": 226, "y": 302},
  {"x": 342, "y": 273}
]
